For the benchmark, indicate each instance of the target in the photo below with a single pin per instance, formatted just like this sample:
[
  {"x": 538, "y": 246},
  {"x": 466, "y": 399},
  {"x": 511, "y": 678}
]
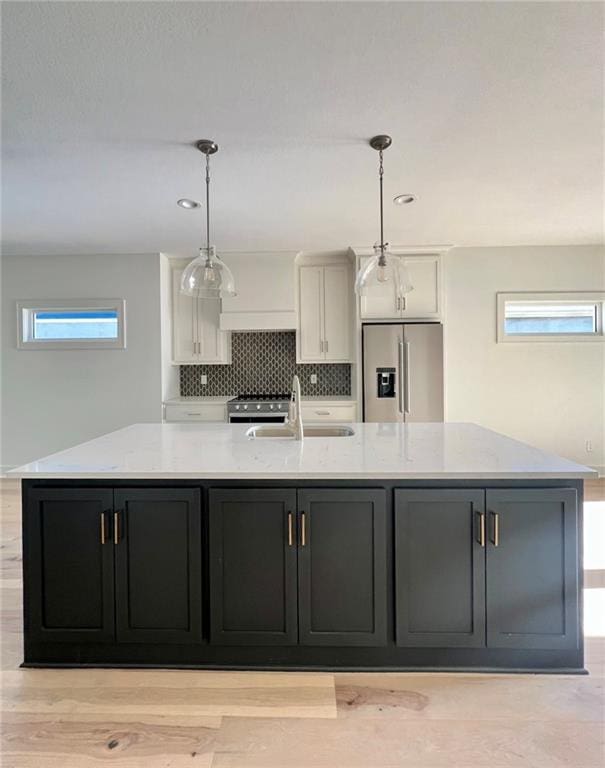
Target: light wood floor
[{"x": 172, "y": 719}]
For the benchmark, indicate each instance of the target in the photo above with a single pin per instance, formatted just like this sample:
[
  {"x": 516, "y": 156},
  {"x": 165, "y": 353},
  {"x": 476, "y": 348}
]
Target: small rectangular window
[
  {"x": 84, "y": 324},
  {"x": 76, "y": 324},
  {"x": 550, "y": 317}
]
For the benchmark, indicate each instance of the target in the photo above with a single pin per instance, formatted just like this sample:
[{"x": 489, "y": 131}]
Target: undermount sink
[
  {"x": 328, "y": 431},
  {"x": 311, "y": 431}
]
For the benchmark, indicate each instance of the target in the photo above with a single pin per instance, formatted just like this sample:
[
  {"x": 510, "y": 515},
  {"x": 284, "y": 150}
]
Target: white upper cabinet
[
  {"x": 338, "y": 294},
  {"x": 311, "y": 314},
  {"x": 324, "y": 314},
  {"x": 423, "y": 303},
  {"x": 196, "y": 336}
]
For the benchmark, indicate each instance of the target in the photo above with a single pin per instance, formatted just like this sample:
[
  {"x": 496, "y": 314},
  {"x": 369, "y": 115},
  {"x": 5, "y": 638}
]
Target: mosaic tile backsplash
[{"x": 265, "y": 362}]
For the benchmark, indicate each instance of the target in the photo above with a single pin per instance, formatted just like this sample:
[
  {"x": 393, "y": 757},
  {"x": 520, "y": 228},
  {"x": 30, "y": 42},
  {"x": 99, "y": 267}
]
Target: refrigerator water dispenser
[{"x": 385, "y": 382}]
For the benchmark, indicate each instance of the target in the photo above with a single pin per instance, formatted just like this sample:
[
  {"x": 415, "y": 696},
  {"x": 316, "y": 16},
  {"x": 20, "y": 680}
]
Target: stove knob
[
  {"x": 237, "y": 407},
  {"x": 245, "y": 407},
  {"x": 271, "y": 407},
  {"x": 258, "y": 407},
  {"x": 279, "y": 406}
]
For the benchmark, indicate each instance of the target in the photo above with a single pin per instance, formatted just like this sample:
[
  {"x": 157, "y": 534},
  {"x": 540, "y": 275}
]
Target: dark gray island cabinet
[{"x": 309, "y": 574}]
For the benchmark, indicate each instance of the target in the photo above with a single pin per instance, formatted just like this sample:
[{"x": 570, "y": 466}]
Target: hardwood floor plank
[
  {"x": 185, "y": 693},
  {"x": 277, "y": 682},
  {"x": 385, "y": 743},
  {"x": 489, "y": 697},
  {"x": 62, "y": 760},
  {"x": 125, "y": 744},
  {"x": 189, "y": 721}
]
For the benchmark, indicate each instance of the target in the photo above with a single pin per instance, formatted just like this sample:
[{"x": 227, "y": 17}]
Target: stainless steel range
[{"x": 258, "y": 409}]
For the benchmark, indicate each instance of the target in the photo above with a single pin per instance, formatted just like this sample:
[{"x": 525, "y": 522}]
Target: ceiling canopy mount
[{"x": 381, "y": 142}]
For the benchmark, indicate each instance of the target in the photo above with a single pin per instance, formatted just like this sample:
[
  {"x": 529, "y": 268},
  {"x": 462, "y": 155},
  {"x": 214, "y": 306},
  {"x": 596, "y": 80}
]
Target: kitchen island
[{"x": 416, "y": 546}]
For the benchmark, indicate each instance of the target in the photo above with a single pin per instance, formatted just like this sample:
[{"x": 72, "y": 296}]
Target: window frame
[
  {"x": 571, "y": 297},
  {"x": 26, "y": 309}
]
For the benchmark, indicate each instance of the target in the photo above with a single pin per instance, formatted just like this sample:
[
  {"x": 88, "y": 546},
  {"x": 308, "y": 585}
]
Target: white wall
[
  {"x": 54, "y": 399},
  {"x": 547, "y": 394}
]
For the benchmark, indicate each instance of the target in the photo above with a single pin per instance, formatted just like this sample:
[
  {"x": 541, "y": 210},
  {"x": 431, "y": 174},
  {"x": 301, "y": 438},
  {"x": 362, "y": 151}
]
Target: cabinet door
[
  {"x": 214, "y": 344},
  {"x": 69, "y": 586},
  {"x": 380, "y": 302},
  {"x": 158, "y": 553},
  {"x": 440, "y": 568},
  {"x": 337, "y": 313},
  {"x": 184, "y": 323},
  {"x": 311, "y": 319},
  {"x": 532, "y": 562},
  {"x": 423, "y": 302},
  {"x": 342, "y": 567},
  {"x": 252, "y": 567},
  {"x": 196, "y": 334}
]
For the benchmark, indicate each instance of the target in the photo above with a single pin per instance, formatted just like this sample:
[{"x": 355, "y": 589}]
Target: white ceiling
[{"x": 496, "y": 113}]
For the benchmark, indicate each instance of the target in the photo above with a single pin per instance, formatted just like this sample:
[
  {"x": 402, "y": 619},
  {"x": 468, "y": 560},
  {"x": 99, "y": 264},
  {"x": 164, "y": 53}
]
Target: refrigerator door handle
[
  {"x": 400, "y": 377},
  {"x": 408, "y": 394}
]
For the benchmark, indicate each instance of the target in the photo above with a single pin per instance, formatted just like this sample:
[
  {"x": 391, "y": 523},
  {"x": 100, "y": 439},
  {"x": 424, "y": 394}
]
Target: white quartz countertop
[{"x": 376, "y": 451}]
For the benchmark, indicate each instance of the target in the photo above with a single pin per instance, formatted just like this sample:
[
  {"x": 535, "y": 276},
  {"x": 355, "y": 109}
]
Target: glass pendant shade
[
  {"x": 207, "y": 277},
  {"x": 383, "y": 269}
]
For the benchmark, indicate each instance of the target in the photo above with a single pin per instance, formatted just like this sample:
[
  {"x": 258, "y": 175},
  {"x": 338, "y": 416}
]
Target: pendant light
[
  {"x": 384, "y": 268},
  {"x": 207, "y": 276}
]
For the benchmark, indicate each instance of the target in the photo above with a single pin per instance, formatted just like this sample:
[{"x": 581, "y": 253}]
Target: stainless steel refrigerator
[{"x": 403, "y": 372}]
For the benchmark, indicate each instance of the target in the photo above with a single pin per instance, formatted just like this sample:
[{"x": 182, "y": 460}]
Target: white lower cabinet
[
  {"x": 422, "y": 303},
  {"x": 196, "y": 335},
  {"x": 324, "y": 314},
  {"x": 195, "y": 412},
  {"x": 313, "y": 412}
]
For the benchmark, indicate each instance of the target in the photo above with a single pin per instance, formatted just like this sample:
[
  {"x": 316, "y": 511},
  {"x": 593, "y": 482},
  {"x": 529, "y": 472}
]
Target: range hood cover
[{"x": 266, "y": 293}]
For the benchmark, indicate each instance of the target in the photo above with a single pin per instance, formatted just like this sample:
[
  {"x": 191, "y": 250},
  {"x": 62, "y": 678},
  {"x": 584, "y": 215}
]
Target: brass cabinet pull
[
  {"x": 290, "y": 529},
  {"x": 495, "y": 528},
  {"x": 102, "y": 527},
  {"x": 116, "y": 527},
  {"x": 303, "y": 531},
  {"x": 481, "y": 528}
]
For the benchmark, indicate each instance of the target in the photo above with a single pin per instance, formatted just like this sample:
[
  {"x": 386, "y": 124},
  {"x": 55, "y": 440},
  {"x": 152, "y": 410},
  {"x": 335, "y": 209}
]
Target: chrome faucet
[{"x": 294, "y": 410}]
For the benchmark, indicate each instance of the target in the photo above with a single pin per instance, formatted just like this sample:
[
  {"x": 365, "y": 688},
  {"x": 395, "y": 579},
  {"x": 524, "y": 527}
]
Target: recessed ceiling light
[
  {"x": 404, "y": 199},
  {"x": 184, "y": 202}
]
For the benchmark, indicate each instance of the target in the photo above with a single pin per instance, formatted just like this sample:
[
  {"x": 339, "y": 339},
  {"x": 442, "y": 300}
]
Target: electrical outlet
[
  {"x": 589, "y": 446},
  {"x": 313, "y": 378},
  {"x": 203, "y": 379}
]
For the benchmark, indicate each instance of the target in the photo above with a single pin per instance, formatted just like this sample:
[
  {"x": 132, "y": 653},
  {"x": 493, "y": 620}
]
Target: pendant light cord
[
  {"x": 380, "y": 175},
  {"x": 208, "y": 206}
]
